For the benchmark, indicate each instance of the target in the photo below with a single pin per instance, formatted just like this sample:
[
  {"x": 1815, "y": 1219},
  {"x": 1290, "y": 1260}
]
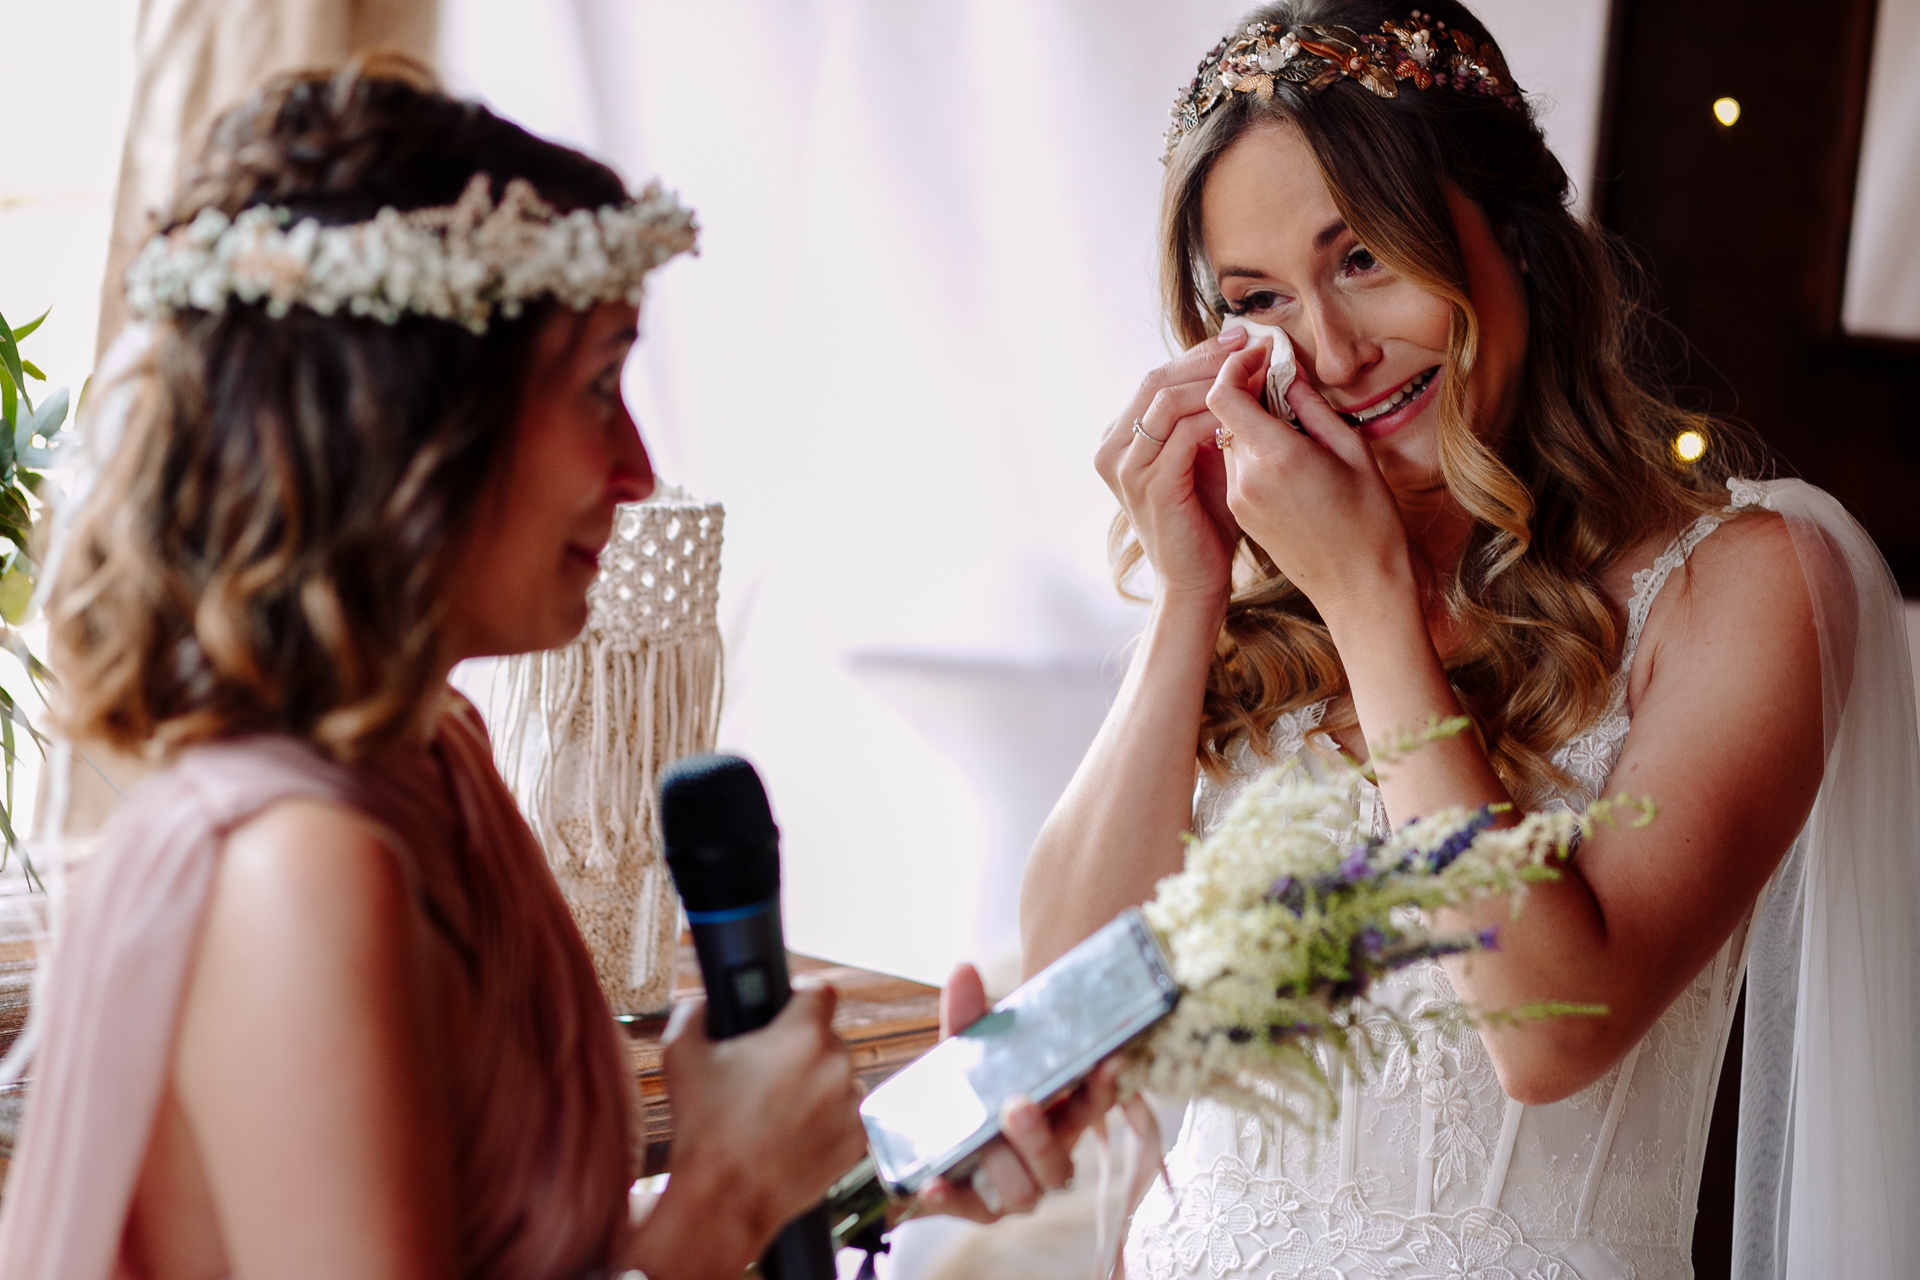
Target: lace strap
[{"x": 1648, "y": 581}]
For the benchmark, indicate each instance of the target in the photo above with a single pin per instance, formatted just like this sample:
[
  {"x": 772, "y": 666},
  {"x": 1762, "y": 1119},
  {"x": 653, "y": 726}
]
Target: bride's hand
[
  {"x": 1168, "y": 476},
  {"x": 1034, "y": 1155},
  {"x": 1312, "y": 498}
]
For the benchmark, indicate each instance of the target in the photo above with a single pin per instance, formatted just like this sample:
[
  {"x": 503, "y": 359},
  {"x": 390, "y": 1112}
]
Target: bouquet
[
  {"x": 1280, "y": 924},
  {"x": 1283, "y": 920}
]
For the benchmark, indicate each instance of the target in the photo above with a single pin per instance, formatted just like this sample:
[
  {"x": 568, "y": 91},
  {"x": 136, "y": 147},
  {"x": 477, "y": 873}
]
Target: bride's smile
[{"x": 1371, "y": 340}]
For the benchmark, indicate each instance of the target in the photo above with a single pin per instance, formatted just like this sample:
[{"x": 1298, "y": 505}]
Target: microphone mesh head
[{"x": 721, "y": 844}]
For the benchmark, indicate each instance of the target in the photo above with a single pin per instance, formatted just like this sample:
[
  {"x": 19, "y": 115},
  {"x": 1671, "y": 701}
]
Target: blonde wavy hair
[
  {"x": 1587, "y": 470},
  {"x": 267, "y": 551}
]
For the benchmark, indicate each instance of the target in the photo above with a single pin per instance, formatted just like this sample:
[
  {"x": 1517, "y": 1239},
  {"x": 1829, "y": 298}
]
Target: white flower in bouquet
[{"x": 1281, "y": 922}]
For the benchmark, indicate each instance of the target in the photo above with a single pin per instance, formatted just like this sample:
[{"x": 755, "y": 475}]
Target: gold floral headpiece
[{"x": 1311, "y": 57}]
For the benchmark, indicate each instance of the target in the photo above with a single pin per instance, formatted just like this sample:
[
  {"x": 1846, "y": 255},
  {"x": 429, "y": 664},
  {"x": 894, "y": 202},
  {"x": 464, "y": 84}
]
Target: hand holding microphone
[
  {"x": 765, "y": 1109},
  {"x": 783, "y": 1106}
]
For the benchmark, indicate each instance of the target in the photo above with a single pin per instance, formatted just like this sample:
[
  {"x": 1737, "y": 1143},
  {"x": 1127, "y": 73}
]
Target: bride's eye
[
  {"x": 1259, "y": 300},
  {"x": 1360, "y": 261}
]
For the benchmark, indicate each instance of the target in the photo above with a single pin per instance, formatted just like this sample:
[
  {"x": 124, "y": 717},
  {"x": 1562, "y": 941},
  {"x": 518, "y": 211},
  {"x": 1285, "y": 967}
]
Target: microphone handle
[{"x": 743, "y": 965}]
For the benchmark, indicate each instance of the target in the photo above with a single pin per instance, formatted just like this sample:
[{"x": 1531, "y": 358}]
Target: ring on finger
[
  {"x": 1223, "y": 437},
  {"x": 1144, "y": 434}
]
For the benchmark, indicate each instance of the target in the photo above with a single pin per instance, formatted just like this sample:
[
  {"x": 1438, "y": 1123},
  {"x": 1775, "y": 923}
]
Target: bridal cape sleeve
[{"x": 1828, "y": 1163}]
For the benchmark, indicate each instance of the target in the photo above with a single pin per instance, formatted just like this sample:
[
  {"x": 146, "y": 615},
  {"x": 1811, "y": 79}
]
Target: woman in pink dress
[{"x": 318, "y": 1008}]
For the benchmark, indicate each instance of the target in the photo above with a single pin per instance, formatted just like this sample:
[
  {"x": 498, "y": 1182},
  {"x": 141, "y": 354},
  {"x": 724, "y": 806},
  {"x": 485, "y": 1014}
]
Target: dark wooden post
[{"x": 1744, "y": 230}]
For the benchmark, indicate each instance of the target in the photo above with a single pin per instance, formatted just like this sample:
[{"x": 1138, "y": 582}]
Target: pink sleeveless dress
[{"x": 542, "y": 1097}]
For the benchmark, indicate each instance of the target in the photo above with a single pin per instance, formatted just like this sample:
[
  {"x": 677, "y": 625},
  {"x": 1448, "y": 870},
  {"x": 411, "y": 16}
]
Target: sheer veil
[{"x": 1828, "y": 1165}]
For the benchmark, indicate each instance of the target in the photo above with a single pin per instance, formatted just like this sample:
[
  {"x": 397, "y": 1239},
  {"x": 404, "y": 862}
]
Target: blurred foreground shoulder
[
  {"x": 309, "y": 1067},
  {"x": 303, "y": 861}
]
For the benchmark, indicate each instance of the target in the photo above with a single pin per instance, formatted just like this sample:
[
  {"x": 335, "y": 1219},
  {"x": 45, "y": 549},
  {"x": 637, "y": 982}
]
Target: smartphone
[{"x": 933, "y": 1117}]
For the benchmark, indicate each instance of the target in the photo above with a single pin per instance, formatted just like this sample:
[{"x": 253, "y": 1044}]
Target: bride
[{"x": 1471, "y": 503}]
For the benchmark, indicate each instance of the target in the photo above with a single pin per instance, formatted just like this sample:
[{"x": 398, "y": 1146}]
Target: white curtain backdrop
[{"x": 926, "y": 283}]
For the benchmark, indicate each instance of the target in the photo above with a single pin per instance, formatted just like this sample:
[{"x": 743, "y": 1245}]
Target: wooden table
[{"x": 886, "y": 1022}]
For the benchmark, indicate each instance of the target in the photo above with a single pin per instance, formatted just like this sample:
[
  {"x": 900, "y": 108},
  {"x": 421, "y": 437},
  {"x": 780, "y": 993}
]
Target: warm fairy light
[
  {"x": 1689, "y": 446},
  {"x": 1726, "y": 111}
]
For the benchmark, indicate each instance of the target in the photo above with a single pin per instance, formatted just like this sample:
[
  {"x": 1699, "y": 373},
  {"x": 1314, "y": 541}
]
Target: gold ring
[
  {"x": 1223, "y": 437},
  {"x": 1142, "y": 433}
]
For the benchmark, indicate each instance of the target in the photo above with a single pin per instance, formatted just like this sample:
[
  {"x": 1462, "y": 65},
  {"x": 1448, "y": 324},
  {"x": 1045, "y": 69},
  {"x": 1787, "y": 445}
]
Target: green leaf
[
  {"x": 10, "y": 361},
  {"x": 10, "y": 713},
  {"x": 6, "y": 735},
  {"x": 16, "y": 644},
  {"x": 33, "y": 370},
  {"x": 13, "y": 844},
  {"x": 45, "y": 422},
  {"x": 13, "y": 507},
  {"x": 30, "y": 325},
  {"x": 16, "y": 594}
]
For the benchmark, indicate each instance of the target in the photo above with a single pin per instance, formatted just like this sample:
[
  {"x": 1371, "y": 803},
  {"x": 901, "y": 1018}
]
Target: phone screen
[{"x": 931, "y": 1116}]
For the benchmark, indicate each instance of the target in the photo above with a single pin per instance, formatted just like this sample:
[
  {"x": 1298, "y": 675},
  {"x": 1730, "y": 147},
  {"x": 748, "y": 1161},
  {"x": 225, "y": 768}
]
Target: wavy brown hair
[
  {"x": 268, "y": 547},
  {"x": 1587, "y": 469}
]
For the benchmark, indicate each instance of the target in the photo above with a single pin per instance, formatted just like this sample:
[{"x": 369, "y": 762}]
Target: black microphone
[{"x": 724, "y": 853}]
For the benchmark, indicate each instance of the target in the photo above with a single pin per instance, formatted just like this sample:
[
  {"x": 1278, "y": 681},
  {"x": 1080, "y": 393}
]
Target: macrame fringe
[
  {"x": 628, "y": 713},
  {"x": 584, "y": 733}
]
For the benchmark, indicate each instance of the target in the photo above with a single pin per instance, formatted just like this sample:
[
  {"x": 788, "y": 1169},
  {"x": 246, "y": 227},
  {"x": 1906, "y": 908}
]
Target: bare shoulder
[
  {"x": 305, "y": 871},
  {"x": 310, "y": 840},
  {"x": 309, "y": 1067},
  {"x": 1746, "y": 565},
  {"x": 1750, "y": 541},
  {"x": 1740, "y": 602}
]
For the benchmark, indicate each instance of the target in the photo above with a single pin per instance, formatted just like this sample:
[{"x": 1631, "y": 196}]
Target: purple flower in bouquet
[{"x": 1287, "y": 915}]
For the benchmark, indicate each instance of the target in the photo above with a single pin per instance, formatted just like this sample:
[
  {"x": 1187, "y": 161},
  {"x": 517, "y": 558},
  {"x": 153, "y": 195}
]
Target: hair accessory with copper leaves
[{"x": 1310, "y": 57}]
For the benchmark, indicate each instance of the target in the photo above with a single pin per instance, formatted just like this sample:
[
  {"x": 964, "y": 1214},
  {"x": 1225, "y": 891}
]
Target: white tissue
[{"x": 1281, "y": 367}]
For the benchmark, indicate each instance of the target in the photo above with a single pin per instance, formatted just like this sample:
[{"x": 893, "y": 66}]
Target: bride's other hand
[
  {"x": 1313, "y": 498},
  {"x": 1035, "y": 1153},
  {"x": 1167, "y": 474},
  {"x": 763, "y": 1125}
]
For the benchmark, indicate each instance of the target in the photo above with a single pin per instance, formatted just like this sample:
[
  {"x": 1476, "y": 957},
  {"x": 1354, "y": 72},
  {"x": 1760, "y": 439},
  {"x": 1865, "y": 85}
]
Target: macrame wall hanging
[{"x": 584, "y": 731}]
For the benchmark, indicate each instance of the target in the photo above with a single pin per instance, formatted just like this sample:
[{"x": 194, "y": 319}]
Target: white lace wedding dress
[{"x": 1429, "y": 1169}]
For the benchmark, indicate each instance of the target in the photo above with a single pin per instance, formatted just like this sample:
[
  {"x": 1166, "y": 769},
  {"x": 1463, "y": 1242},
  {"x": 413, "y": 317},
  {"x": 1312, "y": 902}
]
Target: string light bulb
[
  {"x": 1726, "y": 111},
  {"x": 1689, "y": 446}
]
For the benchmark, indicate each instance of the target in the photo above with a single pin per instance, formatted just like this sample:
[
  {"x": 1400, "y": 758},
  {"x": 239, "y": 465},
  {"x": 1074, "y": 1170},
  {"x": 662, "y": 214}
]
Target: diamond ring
[{"x": 1142, "y": 433}]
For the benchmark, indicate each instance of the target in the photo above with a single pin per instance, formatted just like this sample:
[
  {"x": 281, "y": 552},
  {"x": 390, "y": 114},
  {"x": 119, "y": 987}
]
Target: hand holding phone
[
  {"x": 936, "y": 1118},
  {"x": 1034, "y": 1153}
]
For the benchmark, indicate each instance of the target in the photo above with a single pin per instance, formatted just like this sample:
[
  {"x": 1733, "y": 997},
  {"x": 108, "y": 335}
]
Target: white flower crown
[{"x": 453, "y": 262}]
